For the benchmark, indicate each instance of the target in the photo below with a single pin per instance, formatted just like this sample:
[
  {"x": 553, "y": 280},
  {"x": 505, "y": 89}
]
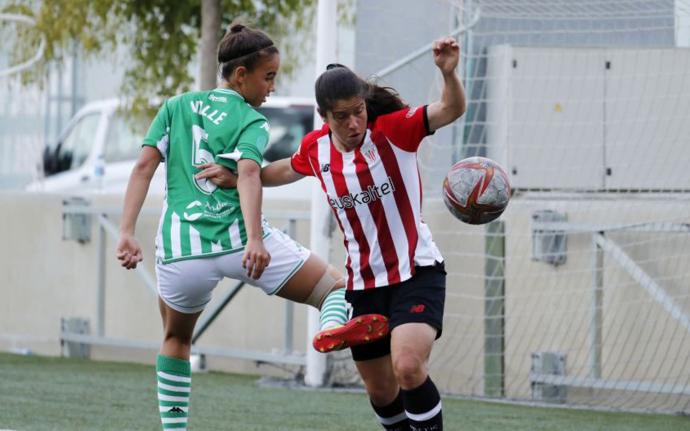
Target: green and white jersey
[{"x": 200, "y": 219}]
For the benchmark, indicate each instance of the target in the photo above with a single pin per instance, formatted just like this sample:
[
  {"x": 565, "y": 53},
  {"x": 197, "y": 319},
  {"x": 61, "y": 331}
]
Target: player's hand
[
  {"x": 446, "y": 53},
  {"x": 256, "y": 258},
  {"x": 128, "y": 251},
  {"x": 217, "y": 174}
]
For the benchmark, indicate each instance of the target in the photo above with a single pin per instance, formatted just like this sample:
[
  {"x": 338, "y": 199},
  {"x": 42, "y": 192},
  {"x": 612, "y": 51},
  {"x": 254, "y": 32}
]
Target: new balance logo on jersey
[
  {"x": 371, "y": 194},
  {"x": 175, "y": 410}
]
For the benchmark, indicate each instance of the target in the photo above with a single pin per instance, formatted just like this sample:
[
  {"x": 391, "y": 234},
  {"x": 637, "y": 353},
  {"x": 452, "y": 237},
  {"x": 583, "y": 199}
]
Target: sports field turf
[{"x": 40, "y": 393}]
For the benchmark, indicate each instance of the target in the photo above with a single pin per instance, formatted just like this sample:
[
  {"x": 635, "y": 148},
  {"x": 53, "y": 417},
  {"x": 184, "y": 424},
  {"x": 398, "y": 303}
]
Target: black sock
[
  {"x": 423, "y": 407},
  {"x": 392, "y": 416}
]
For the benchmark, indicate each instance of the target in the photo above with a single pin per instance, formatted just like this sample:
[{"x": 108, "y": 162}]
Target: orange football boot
[{"x": 360, "y": 330}]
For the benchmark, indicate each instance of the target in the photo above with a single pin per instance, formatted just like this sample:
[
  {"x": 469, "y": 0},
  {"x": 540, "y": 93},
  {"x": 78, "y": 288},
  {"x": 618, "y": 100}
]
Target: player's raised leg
[{"x": 322, "y": 286}]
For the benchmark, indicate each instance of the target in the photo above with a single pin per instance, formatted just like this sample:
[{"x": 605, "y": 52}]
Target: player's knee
[
  {"x": 410, "y": 370},
  {"x": 331, "y": 280}
]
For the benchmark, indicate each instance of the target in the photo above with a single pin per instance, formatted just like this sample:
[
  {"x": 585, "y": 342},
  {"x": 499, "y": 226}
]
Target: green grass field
[{"x": 40, "y": 393}]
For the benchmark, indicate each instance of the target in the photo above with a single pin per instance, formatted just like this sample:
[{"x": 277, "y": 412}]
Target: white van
[{"x": 98, "y": 148}]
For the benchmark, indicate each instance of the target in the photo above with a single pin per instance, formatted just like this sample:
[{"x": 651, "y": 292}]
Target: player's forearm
[
  {"x": 279, "y": 173},
  {"x": 137, "y": 189},
  {"x": 452, "y": 104},
  {"x": 453, "y": 96},
  {"x": 249, "y": 188}
]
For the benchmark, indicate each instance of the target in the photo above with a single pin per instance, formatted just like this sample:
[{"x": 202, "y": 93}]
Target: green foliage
[{"x": 161, "y": 36}]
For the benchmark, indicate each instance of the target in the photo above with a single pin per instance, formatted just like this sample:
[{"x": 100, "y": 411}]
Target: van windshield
[
  {"x": 288, "y": 126},
  {"x": 73, "y": 149},
  {"x": 124, "y": 139}
]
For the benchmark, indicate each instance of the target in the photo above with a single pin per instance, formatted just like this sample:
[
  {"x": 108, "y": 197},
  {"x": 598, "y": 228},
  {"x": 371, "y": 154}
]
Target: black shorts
[{"x": 417, "y": 300}]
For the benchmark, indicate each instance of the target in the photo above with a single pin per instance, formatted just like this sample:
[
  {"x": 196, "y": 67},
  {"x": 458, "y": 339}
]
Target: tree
[{"x": 163, "y": 36}]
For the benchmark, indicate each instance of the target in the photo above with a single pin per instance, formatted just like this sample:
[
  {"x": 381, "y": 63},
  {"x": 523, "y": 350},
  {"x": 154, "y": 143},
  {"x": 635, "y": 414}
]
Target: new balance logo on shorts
[
  {"x": 175, "y": 410},
  {"x": 416, "y": 309}
]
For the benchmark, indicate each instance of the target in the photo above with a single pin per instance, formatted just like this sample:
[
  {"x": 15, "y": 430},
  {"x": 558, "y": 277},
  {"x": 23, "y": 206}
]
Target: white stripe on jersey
[
  {"x": 376, "y": 262},
  {"x": 324, "y": 152},
  {"x": 175, "y": 243},
  {"x": 162, "y": 145},
  {"x": 234, "y": 232},
  {"x": 406, "y": 162},
  {"x": 160, "y": 250},
  {"x": 215, "y": 247},
  {"x": 426, "y": 252},
  {"x": 194, "y": 240}
]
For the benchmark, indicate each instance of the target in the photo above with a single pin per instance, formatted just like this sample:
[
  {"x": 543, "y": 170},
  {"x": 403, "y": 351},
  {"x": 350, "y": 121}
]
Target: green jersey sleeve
[
  {"x": 158, "y": 135},
  {"x": 253, "y": 140}
]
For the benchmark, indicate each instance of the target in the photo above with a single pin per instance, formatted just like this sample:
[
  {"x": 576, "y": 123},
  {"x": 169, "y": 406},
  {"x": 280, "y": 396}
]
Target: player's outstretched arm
[
  {"x": 128, "y": 249},
  {"x": 452, "y": 105},
  {"x": 217, "y": 174},
  {"x": 279, "y": 173}
]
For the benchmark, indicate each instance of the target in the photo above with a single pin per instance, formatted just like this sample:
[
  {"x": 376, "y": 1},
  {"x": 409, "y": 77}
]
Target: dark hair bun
[{"x": 236, "y": 28}]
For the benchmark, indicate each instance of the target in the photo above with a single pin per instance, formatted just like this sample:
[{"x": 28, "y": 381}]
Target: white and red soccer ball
[{"x": 476, "y": 190}]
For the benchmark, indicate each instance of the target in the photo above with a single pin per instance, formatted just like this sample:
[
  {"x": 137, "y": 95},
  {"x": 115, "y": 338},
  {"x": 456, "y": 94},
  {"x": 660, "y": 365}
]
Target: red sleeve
[
  {"x": 300, "y": 160},
  {"x": 405, "y": 128}
]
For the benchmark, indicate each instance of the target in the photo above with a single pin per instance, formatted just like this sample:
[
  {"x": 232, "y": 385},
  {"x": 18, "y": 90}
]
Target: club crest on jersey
[
  {"x": 370, "y": 155},
  {"x": 369, "y": 152}
]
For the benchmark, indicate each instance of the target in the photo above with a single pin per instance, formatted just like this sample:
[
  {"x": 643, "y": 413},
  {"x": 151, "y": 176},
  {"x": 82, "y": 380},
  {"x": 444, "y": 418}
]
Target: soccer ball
[{"x": 476, "y": 190}]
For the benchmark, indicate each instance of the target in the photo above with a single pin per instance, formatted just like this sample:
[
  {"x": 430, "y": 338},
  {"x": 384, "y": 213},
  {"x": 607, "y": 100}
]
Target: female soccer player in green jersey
[{"x": 207, "y": 232}]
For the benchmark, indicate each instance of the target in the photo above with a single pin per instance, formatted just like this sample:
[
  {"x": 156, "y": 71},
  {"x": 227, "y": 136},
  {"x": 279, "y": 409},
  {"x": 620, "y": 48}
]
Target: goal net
[{"x": 580, "y": 293}]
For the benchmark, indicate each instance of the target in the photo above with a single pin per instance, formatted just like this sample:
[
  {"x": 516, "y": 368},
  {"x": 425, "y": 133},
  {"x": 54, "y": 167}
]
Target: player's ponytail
[
  {"x": 382, "y": 100},
  {"x": 340, "y": 83},
  {"x": 243, "y": 46}
]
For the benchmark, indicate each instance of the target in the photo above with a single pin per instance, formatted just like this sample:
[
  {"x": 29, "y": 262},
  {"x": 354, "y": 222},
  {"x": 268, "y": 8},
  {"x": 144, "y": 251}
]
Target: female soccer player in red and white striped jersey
[{"x": 365, "y": 157}]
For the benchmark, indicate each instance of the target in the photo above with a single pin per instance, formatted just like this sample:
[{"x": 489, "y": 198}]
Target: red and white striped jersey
[{"x": 375, "y": 193}]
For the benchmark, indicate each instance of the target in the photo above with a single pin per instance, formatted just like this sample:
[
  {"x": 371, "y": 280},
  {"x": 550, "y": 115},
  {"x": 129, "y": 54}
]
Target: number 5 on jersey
[{"x": 201, "y": 156}]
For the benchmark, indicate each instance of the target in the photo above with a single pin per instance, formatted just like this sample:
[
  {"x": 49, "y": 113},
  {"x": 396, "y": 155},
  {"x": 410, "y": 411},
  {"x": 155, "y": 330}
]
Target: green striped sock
[
  {"x": 333, "y": 310},
  {"x": 174, "y": 388}
]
